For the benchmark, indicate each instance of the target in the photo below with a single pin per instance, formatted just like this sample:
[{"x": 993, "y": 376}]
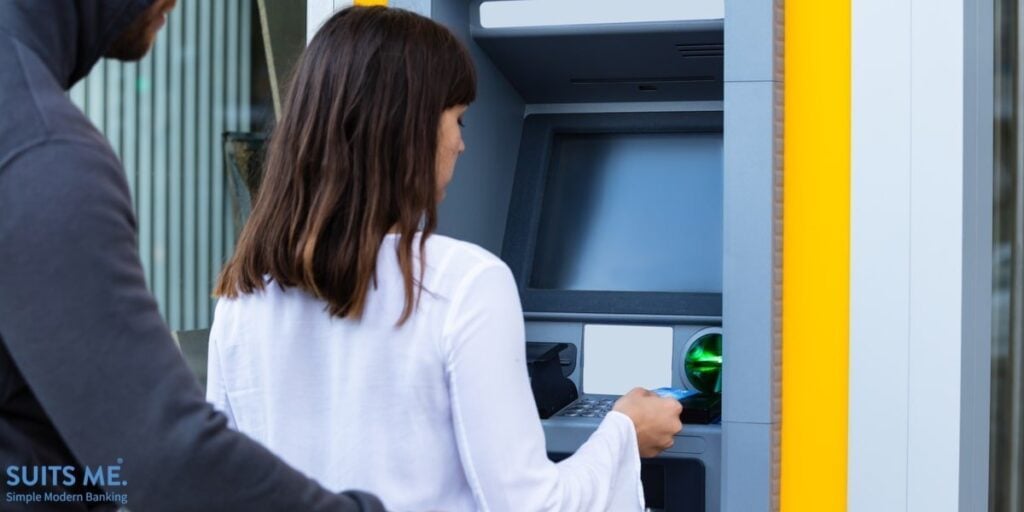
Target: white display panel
[
  {"x": 542, "y": 13},
  {"x": 618, "y": 358}
]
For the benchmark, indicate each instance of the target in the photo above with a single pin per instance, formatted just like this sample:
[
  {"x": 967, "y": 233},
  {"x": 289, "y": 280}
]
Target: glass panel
[{"x": 1006, "y": 474}]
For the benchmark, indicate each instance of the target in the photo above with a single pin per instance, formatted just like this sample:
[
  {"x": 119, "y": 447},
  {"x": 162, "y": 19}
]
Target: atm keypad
[{"x": 588, "y": 408}]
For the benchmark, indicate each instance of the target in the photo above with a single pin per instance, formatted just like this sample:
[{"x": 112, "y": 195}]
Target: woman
[{"x": 368, "y": 352}]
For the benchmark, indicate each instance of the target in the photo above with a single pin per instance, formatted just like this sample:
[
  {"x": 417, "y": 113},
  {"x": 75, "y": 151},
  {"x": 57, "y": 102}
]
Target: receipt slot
[{"x": 551, "y": 389}]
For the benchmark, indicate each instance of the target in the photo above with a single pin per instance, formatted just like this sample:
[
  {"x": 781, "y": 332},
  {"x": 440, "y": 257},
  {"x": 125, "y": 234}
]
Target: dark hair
[{"x": 353, "y": 155}]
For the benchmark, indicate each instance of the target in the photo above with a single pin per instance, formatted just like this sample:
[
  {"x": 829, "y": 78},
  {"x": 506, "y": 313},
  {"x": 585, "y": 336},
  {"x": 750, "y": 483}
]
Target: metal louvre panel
[{"x": 164, "y": 117}]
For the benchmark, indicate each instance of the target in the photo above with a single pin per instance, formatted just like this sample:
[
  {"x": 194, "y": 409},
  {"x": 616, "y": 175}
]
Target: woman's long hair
[{"x": 353, "y": 156}]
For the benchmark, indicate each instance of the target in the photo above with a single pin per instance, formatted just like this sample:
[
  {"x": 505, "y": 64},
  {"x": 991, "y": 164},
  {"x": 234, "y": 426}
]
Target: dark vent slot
[
  {"x": 642, "y": 81},
  {"x": 700, "y": 50}
]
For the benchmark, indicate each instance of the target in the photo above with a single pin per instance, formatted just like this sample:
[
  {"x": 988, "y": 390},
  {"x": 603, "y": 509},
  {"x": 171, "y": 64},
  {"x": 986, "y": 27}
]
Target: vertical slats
[
  {"x": 161, "y": 93},
  {"x": 217, "y": 157},
  {"x": 175, "y": 173},
  {"x": 112, "y": 98},
  {"x": 245, "y": 41},
  {"x": 192, "y": 279},
  {"x": 144, "y": 199},
  {"x": 78, "y": 94},
  {"x": 231, "y": 124},
  {"x": 96, "y": 95},
  {"x": 130, "y": 128},
  {"x": 164, "y": 117},
  {"x": 206, "y": 140}
]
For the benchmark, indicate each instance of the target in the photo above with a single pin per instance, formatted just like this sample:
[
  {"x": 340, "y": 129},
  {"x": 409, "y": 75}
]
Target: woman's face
[{"x": 449, "y": 146}]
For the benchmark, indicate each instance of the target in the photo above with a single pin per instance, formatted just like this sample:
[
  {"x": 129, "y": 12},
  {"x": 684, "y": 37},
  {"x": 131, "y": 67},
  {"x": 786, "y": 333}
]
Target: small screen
[
  {"x": 618, "y": 358},
  {"x": 636, "y": 212}
]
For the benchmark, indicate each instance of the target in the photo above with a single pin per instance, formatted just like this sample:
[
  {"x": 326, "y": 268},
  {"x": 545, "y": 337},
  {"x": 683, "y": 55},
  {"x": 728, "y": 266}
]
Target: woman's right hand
[{"x": 656, "y": 419}]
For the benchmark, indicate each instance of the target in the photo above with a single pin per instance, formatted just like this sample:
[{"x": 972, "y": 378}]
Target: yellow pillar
[{"x": 816, "y": 256}]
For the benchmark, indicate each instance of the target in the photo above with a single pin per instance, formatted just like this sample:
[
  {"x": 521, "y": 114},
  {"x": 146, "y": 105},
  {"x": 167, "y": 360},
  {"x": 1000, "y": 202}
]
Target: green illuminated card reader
[{"x": 702, "y": 371}]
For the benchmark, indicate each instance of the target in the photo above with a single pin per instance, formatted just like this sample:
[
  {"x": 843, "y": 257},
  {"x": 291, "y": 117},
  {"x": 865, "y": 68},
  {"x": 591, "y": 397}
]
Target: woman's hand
[{"x": 656, "y": 419}]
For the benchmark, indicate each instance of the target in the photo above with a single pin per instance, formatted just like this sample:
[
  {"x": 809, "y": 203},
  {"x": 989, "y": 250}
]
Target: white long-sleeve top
[{"x": 436, "y": 414}]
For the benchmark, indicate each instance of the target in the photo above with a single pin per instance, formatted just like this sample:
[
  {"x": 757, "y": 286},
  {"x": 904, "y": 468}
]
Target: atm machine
[
  {"x": 627, "y": 173},
  {"x": 614, "y": 235}
]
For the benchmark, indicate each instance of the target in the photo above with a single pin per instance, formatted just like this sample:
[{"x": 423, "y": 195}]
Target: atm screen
[{"x": 633, "y": 212}]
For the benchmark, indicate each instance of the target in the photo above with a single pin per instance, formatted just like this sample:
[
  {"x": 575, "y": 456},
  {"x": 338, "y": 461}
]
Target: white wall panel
[
  {"x": 906, "y": 255},
  {"x": 880, "y": 255}
]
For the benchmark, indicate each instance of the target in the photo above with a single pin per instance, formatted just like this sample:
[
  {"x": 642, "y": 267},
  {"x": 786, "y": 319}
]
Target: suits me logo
[
  {"x": 52, "y": 484},
  {"x": 42, "y": 476}
]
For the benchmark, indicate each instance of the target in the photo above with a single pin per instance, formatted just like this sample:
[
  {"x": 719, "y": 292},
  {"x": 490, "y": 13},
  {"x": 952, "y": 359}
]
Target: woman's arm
[{"x": 497, "y": 428}]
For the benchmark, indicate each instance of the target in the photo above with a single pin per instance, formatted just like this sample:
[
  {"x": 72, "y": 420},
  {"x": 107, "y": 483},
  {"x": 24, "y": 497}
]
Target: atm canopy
[{"x": 583, "y": 59}]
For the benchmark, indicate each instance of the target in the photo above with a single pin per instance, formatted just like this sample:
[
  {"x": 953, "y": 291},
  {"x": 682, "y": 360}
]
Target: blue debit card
[{"x": 677, "y": 393}]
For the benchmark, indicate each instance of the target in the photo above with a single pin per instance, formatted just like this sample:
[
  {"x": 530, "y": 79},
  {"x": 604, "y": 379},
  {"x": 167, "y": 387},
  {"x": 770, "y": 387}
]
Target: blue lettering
[
  {"x": 35, "y": 476},
  {"x": 52, "y": 471},
  {"x": 114, "y": 476},
  {"x": 69, "y": 475},
  {"x": 93, "y": 477},
  {"x": 12, "y": 476}
]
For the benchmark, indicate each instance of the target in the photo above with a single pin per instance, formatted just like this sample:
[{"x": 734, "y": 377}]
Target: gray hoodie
[{"x": 89, "y": 375}]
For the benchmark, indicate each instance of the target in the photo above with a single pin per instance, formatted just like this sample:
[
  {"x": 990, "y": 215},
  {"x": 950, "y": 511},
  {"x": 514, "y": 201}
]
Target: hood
[{"x": 69, "y": 36}]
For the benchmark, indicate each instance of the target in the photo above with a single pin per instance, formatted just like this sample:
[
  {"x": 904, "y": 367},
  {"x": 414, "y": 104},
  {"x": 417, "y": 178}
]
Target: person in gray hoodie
[{"x": 90, "y": 378}]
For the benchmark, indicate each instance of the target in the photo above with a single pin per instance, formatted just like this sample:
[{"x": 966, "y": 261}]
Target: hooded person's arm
[{"x": 86, "y": 335}]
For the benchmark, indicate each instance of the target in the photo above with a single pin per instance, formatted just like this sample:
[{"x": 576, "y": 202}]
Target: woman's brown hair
[{"x": 352, "y": 157}]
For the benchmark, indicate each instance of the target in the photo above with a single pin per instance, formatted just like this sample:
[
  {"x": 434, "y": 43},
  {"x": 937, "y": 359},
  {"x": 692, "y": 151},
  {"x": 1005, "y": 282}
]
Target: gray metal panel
[
  {"x": 700, "y": 442},
  {"x": 746, "y": 464},
  {"x": 749, "y": 40},
  {"x": 752, "y": 253},
  {"x": 976, "y": 338},
  {"x": 747, "y": 309},
  {"x": 483, "y": 176}
]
